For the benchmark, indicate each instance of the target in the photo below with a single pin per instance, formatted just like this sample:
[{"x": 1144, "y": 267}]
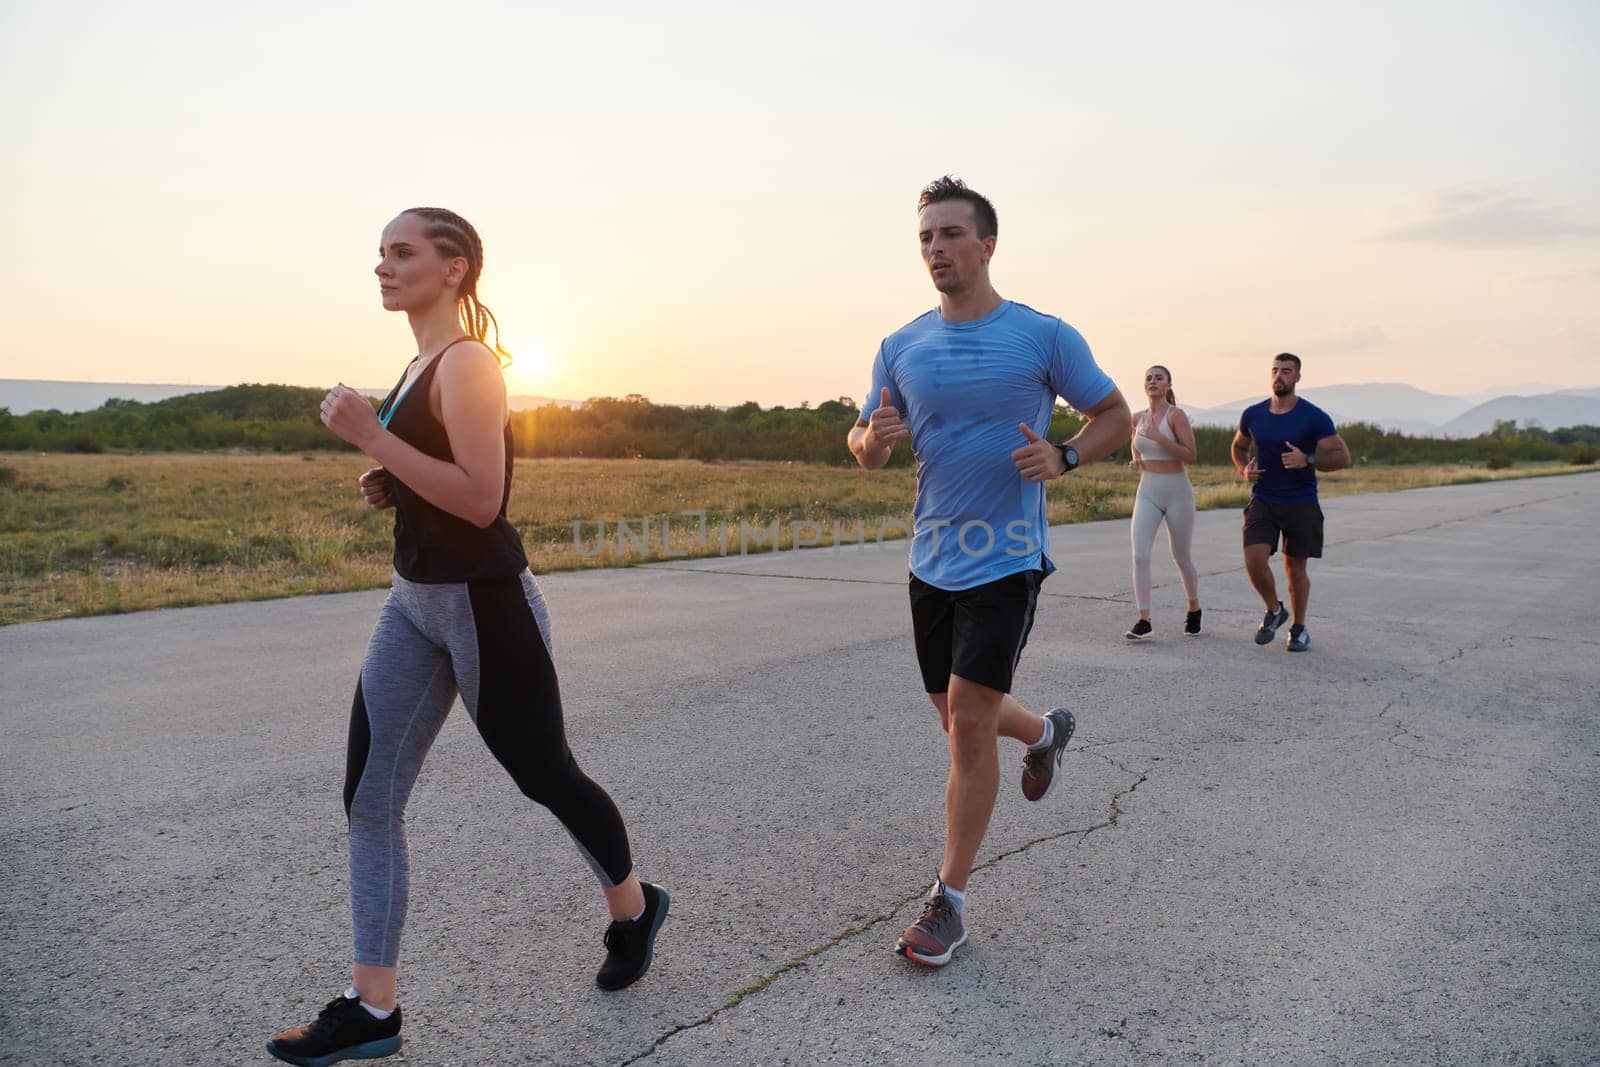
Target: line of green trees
[
  {"x": 268, "y": 418},
  {"x": 280, "y": 418}
]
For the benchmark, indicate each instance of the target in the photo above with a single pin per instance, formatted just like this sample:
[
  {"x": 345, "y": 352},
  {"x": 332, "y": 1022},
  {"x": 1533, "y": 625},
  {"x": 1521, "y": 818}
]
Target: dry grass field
[{"x": 96, "y": 534}]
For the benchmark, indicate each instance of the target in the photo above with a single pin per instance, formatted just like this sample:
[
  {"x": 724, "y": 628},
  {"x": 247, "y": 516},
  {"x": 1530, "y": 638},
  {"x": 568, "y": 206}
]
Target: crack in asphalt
[
  {"x": 793, "y": 963},
  {"x": 1178, "y": 742},
  {"x": 1513, "y": 638},
  {"x": 1123, "y": 767},
  {"x": 1109, "y": 598},
  {"x": 1114, "y": 813},
  {"x": 1402, "y": 730}
]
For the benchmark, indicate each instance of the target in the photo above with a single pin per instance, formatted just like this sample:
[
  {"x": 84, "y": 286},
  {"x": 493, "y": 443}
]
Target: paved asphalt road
[{"x": 1386, "y": 850}]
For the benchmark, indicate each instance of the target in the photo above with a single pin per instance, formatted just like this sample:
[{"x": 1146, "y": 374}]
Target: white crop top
[{"x": 1151, "y": 440}]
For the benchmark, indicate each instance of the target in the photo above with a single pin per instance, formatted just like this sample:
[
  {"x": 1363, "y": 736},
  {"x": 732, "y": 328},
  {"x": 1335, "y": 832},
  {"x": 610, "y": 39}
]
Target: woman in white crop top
[{"x": 1163, "y": 441}]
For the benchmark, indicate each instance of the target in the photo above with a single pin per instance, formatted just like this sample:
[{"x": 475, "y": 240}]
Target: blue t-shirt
[
  {"x": 1303, "y": 425},
  {"x": 962, "y": 388}
]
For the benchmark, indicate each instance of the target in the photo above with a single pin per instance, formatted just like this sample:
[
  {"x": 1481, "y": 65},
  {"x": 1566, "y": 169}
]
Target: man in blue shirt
[
  {"x": 1293, "y": 440},
  {"x": 973, "y": 384}
]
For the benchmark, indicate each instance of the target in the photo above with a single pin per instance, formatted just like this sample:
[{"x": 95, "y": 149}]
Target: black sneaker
[
  {"x": 1299, "y": 640},
  {"x": 630, "y": 943},
  {"x": 1140, "y": 630},
  {"x": 1270, "y": 623},
  {"x": 1039, "y": 766},
  {"x": 344, "y": 1030},
  {"x": 1191, "y": 624}
]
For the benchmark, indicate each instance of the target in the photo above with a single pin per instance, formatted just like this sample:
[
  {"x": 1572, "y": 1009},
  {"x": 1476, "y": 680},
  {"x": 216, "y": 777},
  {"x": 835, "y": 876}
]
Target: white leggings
[{"x": 1169, "y": 497}]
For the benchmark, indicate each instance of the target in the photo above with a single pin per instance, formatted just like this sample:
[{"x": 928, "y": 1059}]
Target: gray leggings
[
  {"x": 1169, "y": 498},
  {"x": 489, "y": 639}
]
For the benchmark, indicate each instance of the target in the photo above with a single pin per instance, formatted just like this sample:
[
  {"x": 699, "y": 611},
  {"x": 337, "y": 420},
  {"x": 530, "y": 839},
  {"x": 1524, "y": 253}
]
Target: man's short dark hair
[
  {"x": 1288, "y": 357},
  {"x": 948, "y": 188}
]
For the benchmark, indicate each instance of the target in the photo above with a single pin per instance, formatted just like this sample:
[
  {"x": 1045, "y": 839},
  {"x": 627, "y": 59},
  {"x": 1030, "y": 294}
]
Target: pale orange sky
[{"x": 718, "y": 204}]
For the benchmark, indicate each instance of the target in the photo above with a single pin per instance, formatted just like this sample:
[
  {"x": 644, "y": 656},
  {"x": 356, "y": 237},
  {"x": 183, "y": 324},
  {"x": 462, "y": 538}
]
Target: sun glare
[{"x": 530, "y": 368}]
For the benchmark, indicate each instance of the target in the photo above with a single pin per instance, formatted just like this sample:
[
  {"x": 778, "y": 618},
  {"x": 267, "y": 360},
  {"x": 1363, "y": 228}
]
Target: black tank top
[{"x": 430, "y": 544}]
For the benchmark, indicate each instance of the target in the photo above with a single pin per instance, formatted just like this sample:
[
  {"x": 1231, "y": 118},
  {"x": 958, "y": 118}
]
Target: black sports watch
[{"x": 1069, "y": 455}]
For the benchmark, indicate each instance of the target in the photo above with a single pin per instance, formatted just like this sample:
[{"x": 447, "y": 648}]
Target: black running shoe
[
  {"x": 1270, "y": 623},
  {"x": 1299, "y": 640},
  {"x": 1139, "y": 631},
  {"x": 1039, "y": 766},
  {"x": 630, "y": 943},
  {"x": 344, "y": 1030},
  {"x": 1191, "y": 624}
]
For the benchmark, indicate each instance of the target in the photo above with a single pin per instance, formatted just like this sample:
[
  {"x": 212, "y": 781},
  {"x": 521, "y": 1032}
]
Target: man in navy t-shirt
[
  {"x": 973, "y": 384},
  {"x": 1293, "y": 440}
]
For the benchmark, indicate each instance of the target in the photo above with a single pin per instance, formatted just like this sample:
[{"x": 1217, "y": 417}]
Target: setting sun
[{"x": 531, "y": 366}]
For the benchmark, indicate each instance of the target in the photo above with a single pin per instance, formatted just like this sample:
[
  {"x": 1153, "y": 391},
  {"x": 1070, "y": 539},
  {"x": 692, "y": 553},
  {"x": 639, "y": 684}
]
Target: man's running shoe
[
  {"x": 1299, "y": 640},
  {"x": 1270, "y": 623},
  {"x": 1191, "y": 624},
  {"x": 344, "y": 1030},
  {"x": 933, "y": 938},
  {"x": 1039, "y": 766},
  {"x": 630, "y": 943},
  {"x": 1139, "y": 631}
]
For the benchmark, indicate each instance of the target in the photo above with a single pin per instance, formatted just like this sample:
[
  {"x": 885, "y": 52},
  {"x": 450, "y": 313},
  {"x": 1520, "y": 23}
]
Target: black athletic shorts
[
  {"x": 1299, "y": 526},
  {"x": 977, "y": 633}
]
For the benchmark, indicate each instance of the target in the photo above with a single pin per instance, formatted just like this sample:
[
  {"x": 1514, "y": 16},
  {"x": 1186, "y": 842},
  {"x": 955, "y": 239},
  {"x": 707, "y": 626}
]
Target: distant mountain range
[
  {"x": 1388, "y": 404},
  {"x": 1414, "y": 411},
  {"x": 22, "y": 395}
]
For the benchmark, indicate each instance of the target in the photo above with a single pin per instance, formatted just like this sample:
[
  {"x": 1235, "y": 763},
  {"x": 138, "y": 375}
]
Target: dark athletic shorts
[
  {"x": 977, "y": 633},
  {"x": 1298, "y": 525}
]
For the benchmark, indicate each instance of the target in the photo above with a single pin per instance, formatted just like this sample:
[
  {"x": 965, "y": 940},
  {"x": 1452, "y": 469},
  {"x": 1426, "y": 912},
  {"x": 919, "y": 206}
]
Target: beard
[{"x": 1282, "y": 389}]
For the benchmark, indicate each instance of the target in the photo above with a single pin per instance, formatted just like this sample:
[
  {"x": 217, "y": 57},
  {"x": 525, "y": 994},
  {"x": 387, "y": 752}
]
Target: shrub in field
[
  {"x": 8, "y": 475},
  {"x": 79, "y": 442},
  {"x": 1582, "y": 454}
]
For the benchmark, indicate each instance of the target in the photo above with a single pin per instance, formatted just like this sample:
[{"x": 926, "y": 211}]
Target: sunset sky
[{"x": 715, "y": 202}]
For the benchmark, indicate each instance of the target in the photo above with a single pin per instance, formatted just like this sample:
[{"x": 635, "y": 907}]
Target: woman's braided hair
[{"x": 452, "y": 236}]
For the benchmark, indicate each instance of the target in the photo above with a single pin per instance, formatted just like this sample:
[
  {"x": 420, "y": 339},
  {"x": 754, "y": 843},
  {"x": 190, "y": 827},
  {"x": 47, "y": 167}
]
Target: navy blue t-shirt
[{"x": 1302, "y": 425}]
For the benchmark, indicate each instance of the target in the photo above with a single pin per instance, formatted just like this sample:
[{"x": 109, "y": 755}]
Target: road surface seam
[
  {"x": 1114, "y": 812},
  {"x": 873, "y": 581},
  {"x": 773, "y": 574},
  {"x": 1450, "y": 522},
  {"x": 1126, "y": 596},
  {"x": 896, "y": 583},
  {"x": 1119, "y": 596}
]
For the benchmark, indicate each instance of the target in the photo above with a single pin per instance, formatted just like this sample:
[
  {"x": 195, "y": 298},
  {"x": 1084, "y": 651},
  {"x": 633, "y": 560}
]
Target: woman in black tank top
[
  {"x": 464, "y": 617},
  {"x": 430, "y": 543}
]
